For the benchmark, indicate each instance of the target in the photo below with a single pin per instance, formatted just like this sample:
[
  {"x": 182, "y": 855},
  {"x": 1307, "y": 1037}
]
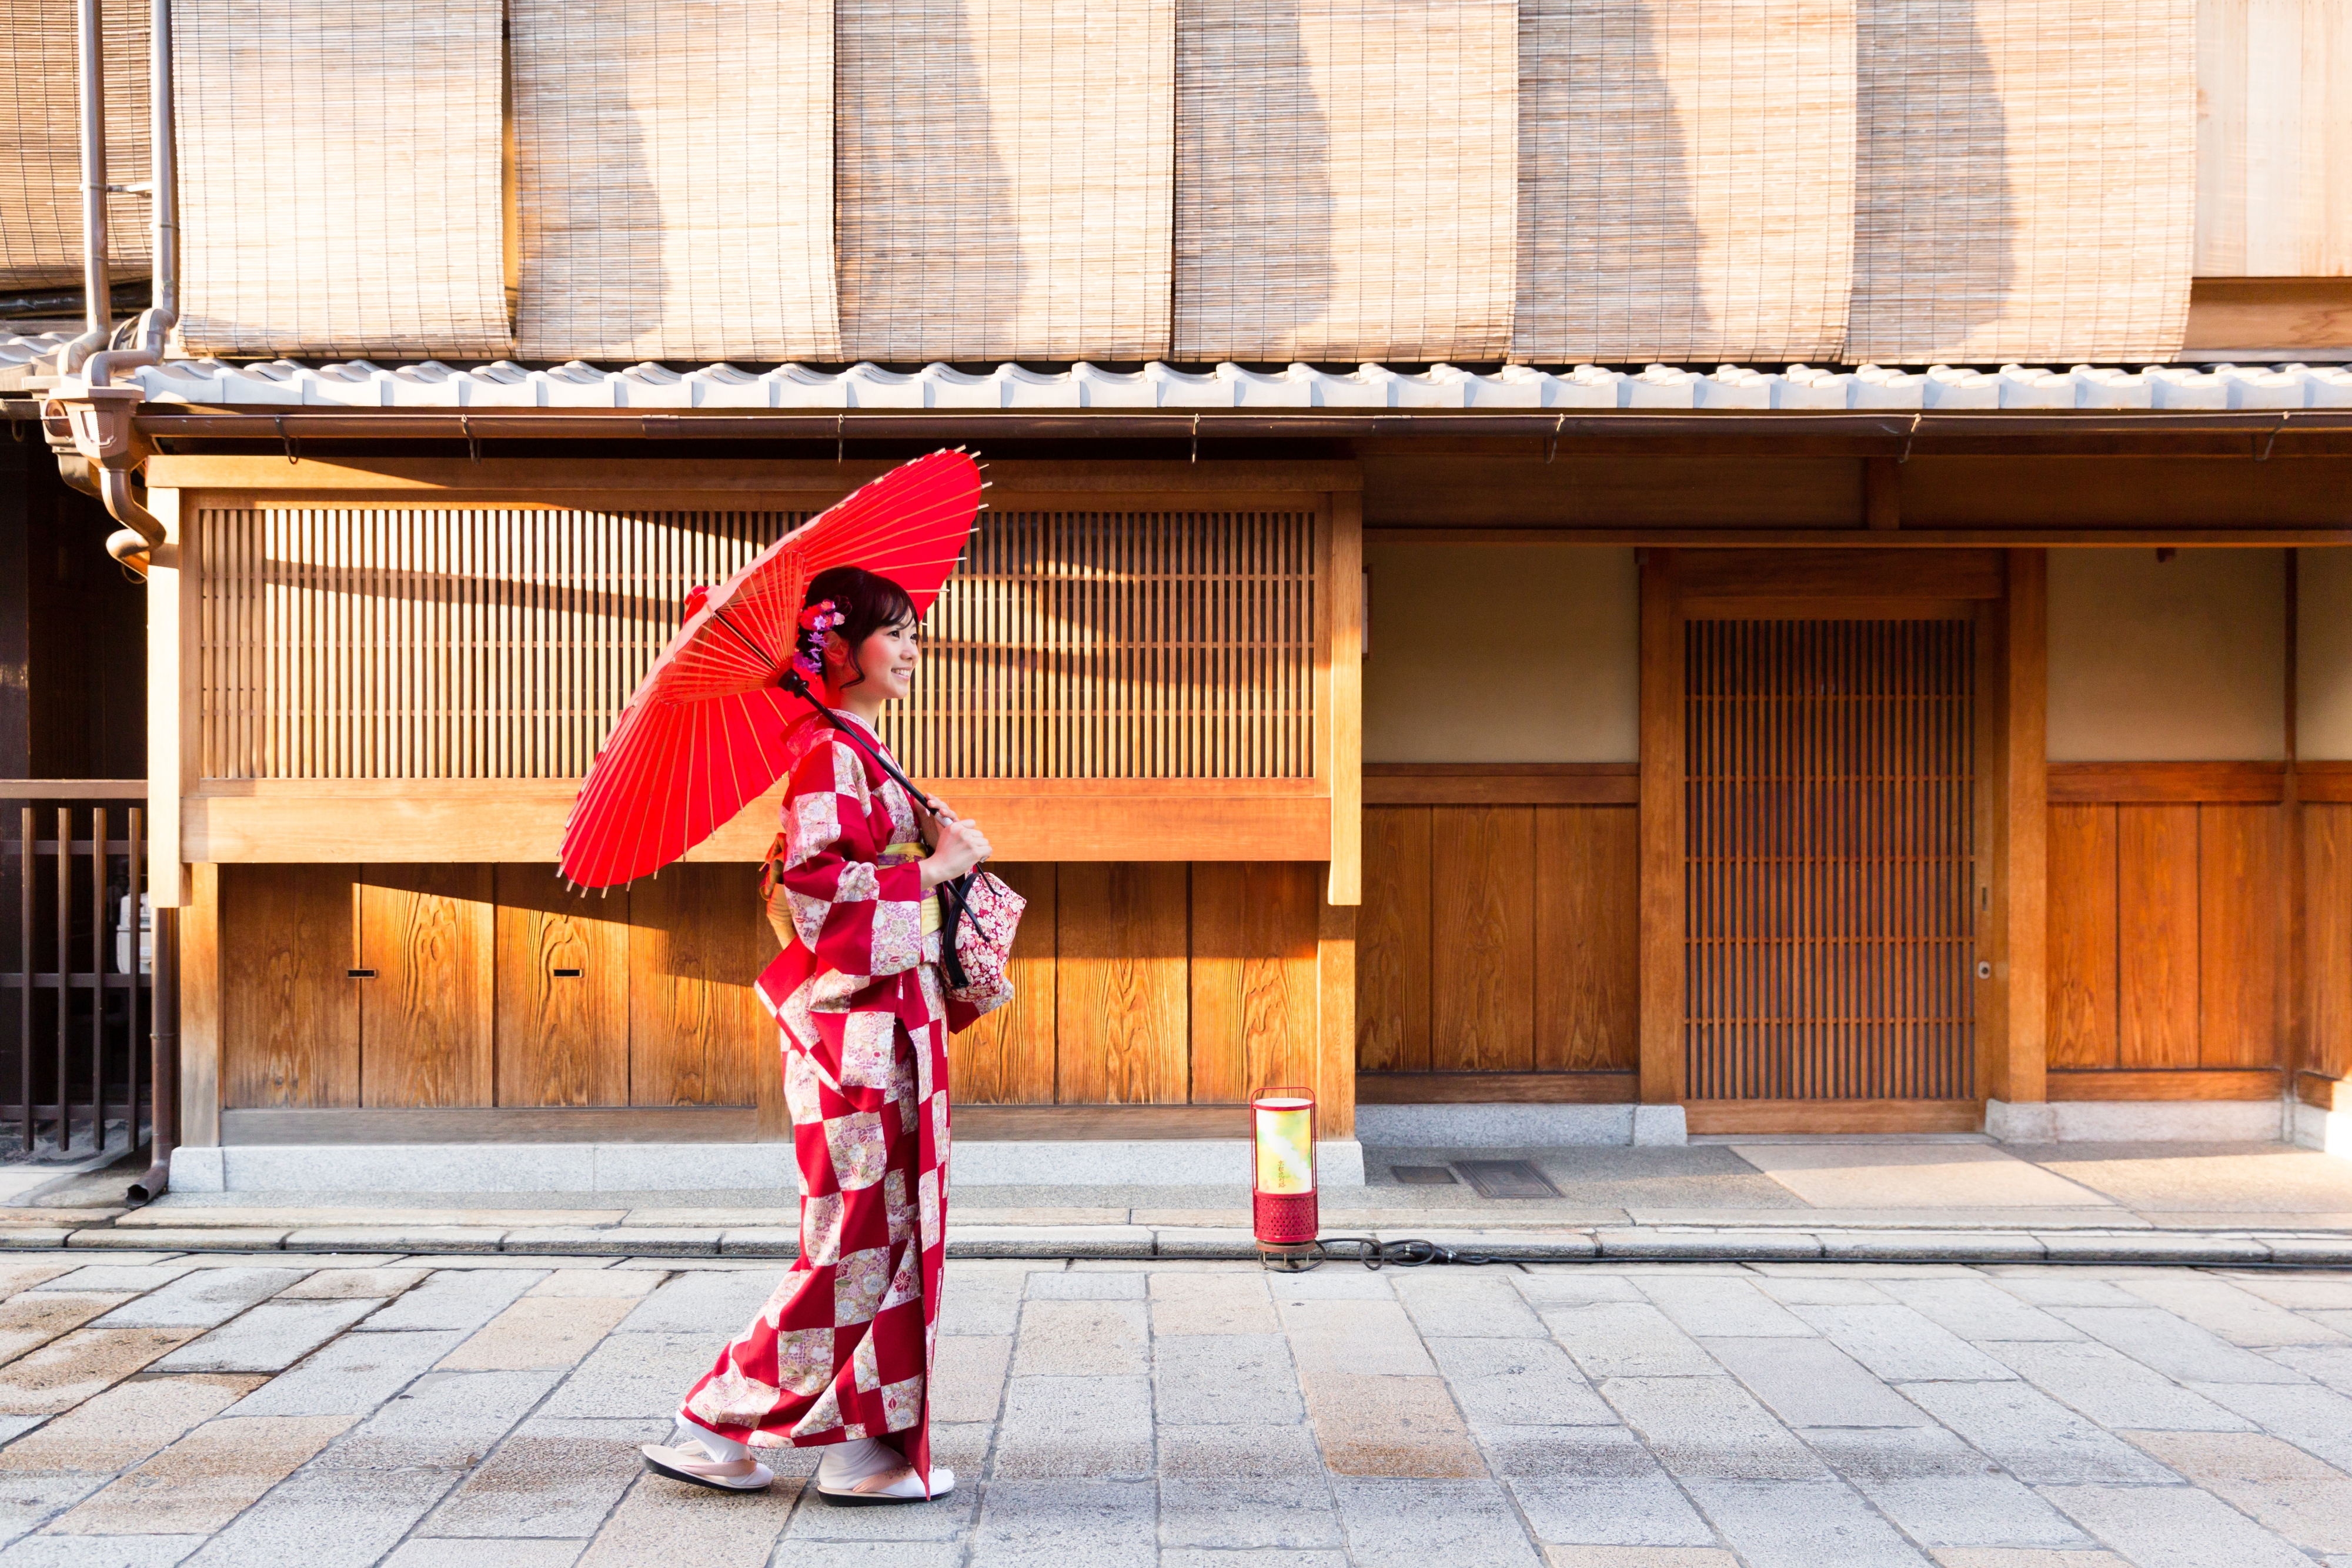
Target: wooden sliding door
[{"x": 1830, "y": 777}]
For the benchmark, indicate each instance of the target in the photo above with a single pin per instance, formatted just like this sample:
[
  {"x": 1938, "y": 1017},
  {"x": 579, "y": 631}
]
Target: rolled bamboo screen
[
  {"x": 1686, "y": 179},
  {"x": 1006, "y": 174},
  {"x": 40, "y": 143},
  {"x": 2273, "y": 139},
  {"x": 339, "y": 176},
  {"x": 2027, "y": 178},
  {"x": 1346, "y": 178},
  {"x": 676, "y": 180},
  {"x": 501, "y": 643}
]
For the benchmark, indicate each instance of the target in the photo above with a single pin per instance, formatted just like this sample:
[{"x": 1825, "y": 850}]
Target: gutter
[{"x": 1898, "y": 426}]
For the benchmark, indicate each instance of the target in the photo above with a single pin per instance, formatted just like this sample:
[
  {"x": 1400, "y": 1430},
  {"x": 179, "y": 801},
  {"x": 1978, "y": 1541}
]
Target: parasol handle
[{"x": 797, "y": 684}]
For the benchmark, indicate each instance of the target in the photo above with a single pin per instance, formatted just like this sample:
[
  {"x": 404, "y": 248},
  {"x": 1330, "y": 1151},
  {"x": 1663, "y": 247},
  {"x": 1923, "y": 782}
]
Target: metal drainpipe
[
  {"x": 133, "y": 544},
  {"x": 97, "y": 304},
  {"x": 163, "y": 1082}
]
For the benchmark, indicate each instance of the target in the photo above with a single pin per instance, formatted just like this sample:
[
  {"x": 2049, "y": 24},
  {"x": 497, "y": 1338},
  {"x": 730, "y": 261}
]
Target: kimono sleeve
[{"x": 857, "y": 917}]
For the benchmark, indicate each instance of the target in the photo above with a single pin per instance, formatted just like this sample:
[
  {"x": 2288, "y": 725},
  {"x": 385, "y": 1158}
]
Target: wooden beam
[
  {"x": 429, "y": 481},
  {"x": 1497, "y": 1088},
  {"x": 2021, "y": 1058},
  {"x": 1882, "y": 490},
  {"x": 1335, "y": 990},
  {"x": 2167, "y": 783},
  {"x": 174, "y": 698},
  {"x": 391, "y": 820},
  {"x": 1502, "y": 784},
  {"x": 1762, "y": 1117},
  {"x": 1343, "y": 709},
  {"x": 1662, "y": 831},
  {"x": 2187, "y": 1083},
  {"x": 201, "y": 998},
  {"x": 501, "y": 1124},
  {"x": 73, "y": 789}
]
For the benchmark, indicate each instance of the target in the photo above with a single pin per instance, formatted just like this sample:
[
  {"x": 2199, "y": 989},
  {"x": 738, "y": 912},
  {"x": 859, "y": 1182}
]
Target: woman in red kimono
[{"x": 841, "y": 1355}]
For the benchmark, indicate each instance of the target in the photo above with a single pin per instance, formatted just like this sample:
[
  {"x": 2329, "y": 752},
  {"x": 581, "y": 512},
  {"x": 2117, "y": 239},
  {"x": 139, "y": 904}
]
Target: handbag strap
[{"x": 951, "y": 904}]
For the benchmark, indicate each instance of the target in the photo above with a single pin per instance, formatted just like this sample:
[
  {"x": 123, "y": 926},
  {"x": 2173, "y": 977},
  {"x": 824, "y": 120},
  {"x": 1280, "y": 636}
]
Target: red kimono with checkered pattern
[{"x": 843, "y": 1348}]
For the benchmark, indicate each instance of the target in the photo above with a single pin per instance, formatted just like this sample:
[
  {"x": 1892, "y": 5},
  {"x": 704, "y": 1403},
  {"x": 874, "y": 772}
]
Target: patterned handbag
[{"x": 976, "y": 938}]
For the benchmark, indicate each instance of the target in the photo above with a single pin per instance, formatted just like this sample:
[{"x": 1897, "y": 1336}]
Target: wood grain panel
[
  {"x": 2240, "y": 936},
  {"x": 698, "y": 1034},
  {"x": 2083, "y": 1002},
  {"x": 1587, "y": 951},
  {"x": 1819, "y": 574},
  {"x": 426, "y": 1020},
  {"x": 2327, "y": 937},
  {"x": 1007, "y": 1058},
  {"x": 1392, "y": 938},
  {"x": 1120, "y": 983},
  {"x": 1335, "y": 1004},
  {"x": 1754, "y": 1116},
  {"x": 2163, "y": 783},
  {"x": 2194, "y": 1083},
  {"x": 289, "y": 1008},
  {"x": 1502, "y": 784},
  {"x": 1253, "y": 1007},
  {"x": 562, "y": 992},
  {"x": 2156, "y": 922},
  {"x": 1497, "y": 1088},
  {"x": 1482, "y": 938}
]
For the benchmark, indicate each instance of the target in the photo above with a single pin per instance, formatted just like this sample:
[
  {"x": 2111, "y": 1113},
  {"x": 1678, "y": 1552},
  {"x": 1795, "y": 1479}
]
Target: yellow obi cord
[{"x": 900, "y": 854}]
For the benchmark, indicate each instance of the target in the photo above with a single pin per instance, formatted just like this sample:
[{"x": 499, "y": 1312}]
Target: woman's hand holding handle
[{"x": 959, "y": 845}]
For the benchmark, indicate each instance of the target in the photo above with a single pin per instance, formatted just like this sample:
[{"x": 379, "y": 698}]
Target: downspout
[
  {"x": 96, "y": 296},
  {"x": 108, "y": 454},
  {"x": 163, "y": 1082}
]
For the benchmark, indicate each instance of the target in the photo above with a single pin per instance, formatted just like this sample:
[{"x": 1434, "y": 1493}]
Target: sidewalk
[{"x": 1957, "y": 1197}]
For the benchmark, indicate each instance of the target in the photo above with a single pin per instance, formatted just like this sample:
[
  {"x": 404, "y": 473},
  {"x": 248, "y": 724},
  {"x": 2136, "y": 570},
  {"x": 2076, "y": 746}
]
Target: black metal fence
[{"x": 75, "y": 994}]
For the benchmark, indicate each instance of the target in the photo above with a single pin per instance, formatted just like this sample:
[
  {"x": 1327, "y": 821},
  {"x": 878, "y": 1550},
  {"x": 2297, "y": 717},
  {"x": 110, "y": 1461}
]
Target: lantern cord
[{"x": 1374, "y": 1253}]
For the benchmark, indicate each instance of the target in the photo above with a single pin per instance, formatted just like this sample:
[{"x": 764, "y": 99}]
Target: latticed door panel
[
  {"x": 448, "y": 644},
  {"x": 1829, "y": 812}
]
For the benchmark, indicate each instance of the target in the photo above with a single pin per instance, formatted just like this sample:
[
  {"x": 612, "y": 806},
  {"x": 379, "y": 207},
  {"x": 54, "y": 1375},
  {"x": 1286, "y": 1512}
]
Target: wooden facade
[{"x": 1837, "y": 889}]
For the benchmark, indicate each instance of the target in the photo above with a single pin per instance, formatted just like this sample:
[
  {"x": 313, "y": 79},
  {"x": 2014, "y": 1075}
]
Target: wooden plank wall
[
  {"x": 2168, "y": 931},
  {"x": 1499, "y": 941},
  {"x": 2327, "y": 937},
  {"x": 1162, "y": 983}
]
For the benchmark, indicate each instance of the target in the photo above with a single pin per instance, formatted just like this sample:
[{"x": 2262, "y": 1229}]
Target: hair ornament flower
[{"x": 816, "y": 621}]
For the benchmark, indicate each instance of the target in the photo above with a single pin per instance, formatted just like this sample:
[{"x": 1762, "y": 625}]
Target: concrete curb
[{"x": 1623, "y": 1244}]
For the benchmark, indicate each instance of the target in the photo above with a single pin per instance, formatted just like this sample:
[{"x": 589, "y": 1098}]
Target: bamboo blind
[
  {"x": 446, "y": 643},
  {"x": 339, "y": 176},
  {"x": 1686, "y": 179},
  {"x": 440, "y": 643},
  {"x": 1007, "y": 172},
  {"x": 1830, "y": 826},
  {"x": 1121, "y": 645},
  {"x": 674, "y": 163},
  {"x": 2273, "y": 139},
  {"x": 40, "y": 143},
  {"x": 2027, "y": 178},
  {"x": 1346, "y": 178}
]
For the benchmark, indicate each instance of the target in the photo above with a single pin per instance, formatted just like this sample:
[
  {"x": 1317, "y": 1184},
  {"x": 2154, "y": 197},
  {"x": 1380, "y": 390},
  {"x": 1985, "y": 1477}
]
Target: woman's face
[{"x": 887, "y": 657}]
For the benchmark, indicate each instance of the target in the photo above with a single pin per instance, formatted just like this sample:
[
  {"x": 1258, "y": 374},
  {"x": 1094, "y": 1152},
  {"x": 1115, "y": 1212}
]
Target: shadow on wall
[
  {"x": 1609, "y": 244},
  {"x": 1254, "y": 206},
  {"x": 1935, "y": 218},
  {"x": 932, "y": 261}
]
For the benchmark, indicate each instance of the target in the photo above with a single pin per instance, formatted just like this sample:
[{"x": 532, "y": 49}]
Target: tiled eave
[{"x": 1514, "y": 389}]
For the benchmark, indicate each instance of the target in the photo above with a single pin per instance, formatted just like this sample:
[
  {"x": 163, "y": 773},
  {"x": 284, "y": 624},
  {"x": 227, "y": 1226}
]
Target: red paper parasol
[{"x": 705, "y": 731}]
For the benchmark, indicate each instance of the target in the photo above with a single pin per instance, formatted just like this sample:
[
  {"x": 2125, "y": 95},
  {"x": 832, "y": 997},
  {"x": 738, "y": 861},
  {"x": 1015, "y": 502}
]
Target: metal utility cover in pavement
[
  {"x": 1423, "y": 1175},
  {"x": 1506, "y": 1178}
]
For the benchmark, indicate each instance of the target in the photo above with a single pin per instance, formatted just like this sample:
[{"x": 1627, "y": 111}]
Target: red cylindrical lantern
[{"x": 1283, "y": 1207}]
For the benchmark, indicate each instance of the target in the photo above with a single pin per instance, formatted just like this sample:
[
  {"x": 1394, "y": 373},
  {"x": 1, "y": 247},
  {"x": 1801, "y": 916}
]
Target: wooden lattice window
[
  {"x": 1829, "y": 812},
  {"x": 449, "y": 643}
]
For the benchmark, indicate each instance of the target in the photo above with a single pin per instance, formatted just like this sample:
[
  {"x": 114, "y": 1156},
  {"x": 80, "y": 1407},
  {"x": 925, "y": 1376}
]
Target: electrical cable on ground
[{"x": 1372, "y": 1253}]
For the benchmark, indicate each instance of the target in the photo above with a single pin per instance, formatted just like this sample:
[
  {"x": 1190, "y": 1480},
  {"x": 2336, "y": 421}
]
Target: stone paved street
[{"x": 468, "y": 1412}]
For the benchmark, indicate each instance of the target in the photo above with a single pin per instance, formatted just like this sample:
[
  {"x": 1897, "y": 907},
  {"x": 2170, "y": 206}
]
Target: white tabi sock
[
  {"x": 722, "y": 1450},
  {"x": 844, "y": 1465}
]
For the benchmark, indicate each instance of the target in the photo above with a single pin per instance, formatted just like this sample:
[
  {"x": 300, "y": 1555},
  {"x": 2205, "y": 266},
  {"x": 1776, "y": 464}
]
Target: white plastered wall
[
  {"x": 2323, "y": 680},
  {"x": 1502, "y": 653},
  {"x": 2174, "y": 661}
]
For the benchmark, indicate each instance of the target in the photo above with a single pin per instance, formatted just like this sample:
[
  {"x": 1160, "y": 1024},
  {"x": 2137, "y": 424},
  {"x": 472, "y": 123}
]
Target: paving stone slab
[
  {"x": 1710, "y": 1305},
  {"x": 631, "y": 1283},
  {"x": 1976, "y": 1309},
  {"x": 27, "y": 1503},
  {"x": 1710, "y": 1429},
  {"x": 1641, "y": 1510},
  {"x": 1223, "y": 1379},
  {"x": 206, "y": 1479},
  {"x": 1812, "y": 1383},
  {"x": 336, "y": 1285},
  {"x": 1213, "y": 1453},
  {"x": 327, "y": 1519},
  {"x": 1901, "y": 1345},
  {"x": 1392, "y": 1525},
  {"x": 2167, "y": 1344},
  {"x": 1865, "y": 1455},
  {"x": 1085, "y": 1285},
  {"x": 634, "y": 1376},
  {"x": 2039, "y": 1440},
  {"x": 35, "y": 1317},
  {"x": 351, "y": 1376},
  {"x": 2238, "y": 1317},
  {"x": 2179, "y": 1527},
  {"x": 1803, "y": 1526},
  {"x": 2112, "y": 1388},
  {"x": 663, "y": 1520},
  {"x": 1082, "y": 1428},
  {"x": 1549, "y": 1453},
  {"x": 551, "y": 1331},
  {"x": 704, "y": 1300},
  {"x": 99, "y": 1551},
  {"x": 1082, "y": 1339},
  {"x": 444, "y": 1420},
  {"x": 270, "y": 1337},
  {"x": 455, "y": 1298},
  {"x": 1184, "y": 1304},
  {"x": 1627, "y": 1338},
  {"x": 419, "y": 1551},
  {"x": 1061, "y": 1522},
  {"x": 1973, "y": 1510},
  {"x": 1518, "y": 1382},
  {"x": 818, "y": 1518},
  {"x": 968, "y": 1378},
  {"x": 550, "y": 1477},
  {"x": 1467, "y": 1306},
  {"x": 202, "y": 1298},
  {"x": 1245, "y": 1513},
  {"x": 116, "y": 1429},
  {"x": 1375, "y": 1424},
  {"x": 63, "y": 1373}
]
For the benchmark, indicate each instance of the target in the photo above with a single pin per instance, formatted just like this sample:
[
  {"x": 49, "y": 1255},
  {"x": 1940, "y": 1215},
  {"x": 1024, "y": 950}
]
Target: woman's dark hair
[{"x": 866, "y": 601}]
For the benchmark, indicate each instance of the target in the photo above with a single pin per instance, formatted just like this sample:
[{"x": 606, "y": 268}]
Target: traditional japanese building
[{"x": 1566, "y": 569}]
